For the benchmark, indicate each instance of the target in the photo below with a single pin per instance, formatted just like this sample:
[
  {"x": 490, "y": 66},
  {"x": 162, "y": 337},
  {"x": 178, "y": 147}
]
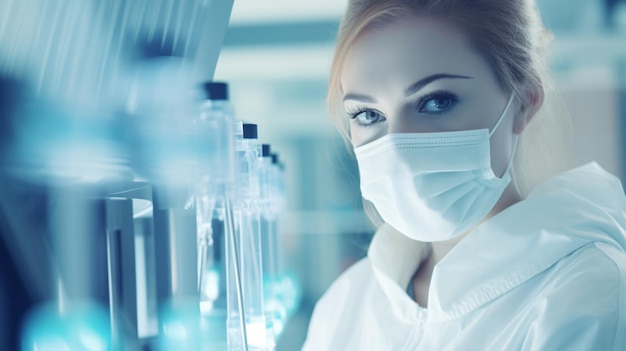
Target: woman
[{"x": 435, "y": 96}]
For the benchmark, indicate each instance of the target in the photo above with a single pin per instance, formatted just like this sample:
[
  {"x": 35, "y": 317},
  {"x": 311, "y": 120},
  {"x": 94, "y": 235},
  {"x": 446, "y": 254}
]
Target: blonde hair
[{"x": 511, "y": 38}]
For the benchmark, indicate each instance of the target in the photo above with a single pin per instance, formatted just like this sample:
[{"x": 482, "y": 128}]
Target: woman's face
[{"x": 421, "y": 75}]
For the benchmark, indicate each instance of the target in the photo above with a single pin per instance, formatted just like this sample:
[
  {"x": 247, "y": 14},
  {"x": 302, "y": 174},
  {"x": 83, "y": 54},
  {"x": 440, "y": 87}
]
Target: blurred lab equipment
[
  {"x": 243, "y": 249},
  {"x": 128, "y": 191}
]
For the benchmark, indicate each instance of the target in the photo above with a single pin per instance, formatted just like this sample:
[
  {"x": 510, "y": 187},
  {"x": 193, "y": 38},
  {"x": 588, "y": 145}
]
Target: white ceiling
[
  {"x": 285, "y": 11},
  {"x": 275, "y": 63}
]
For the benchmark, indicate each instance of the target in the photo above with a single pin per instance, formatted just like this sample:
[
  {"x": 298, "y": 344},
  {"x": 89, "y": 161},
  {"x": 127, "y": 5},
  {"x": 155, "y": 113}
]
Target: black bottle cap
[
  {"x": 265, "y": 150},
  {"x": 215, "y": 90},
  {"x": 250, "y": 131}
]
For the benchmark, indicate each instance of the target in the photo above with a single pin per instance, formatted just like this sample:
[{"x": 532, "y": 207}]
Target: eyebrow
[
  {"x": 412, "y": 89},
  {"x": 420, "y": 84}
]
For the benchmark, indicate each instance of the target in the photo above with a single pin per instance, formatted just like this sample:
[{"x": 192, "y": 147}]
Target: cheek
[
  {"x": 356, "y": 135},
  {"x": 362, "y": 135}
]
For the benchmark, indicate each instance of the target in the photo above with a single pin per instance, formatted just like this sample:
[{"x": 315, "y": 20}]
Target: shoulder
[
  {"x": 593, "y": 279},
  {"x": 584, "y": 301},
  {"x": 337, "y": 304},
  {"x": 356, "y": 276},
  {"x": 356, "y": 279},
  {"x": 598, "y": 267}
]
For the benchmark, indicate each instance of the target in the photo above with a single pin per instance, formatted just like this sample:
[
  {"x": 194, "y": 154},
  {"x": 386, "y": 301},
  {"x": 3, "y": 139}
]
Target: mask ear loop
[
  {"x": 508, "y": 168},
  {"x": 506, "y": 109},
  {"x": 514, "y": 179}
]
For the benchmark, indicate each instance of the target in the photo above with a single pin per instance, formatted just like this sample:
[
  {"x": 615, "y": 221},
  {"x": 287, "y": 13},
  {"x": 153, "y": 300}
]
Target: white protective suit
[{"x": 548, "y": 273}]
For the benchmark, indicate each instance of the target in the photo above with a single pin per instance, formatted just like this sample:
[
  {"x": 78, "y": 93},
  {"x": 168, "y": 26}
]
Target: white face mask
[{"x": 432, "y": 186}]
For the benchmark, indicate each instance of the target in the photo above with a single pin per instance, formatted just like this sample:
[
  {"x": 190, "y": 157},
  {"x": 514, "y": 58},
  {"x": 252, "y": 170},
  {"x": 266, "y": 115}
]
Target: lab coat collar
[
  {"x": 395, "y": 258},
  {"x": 563, "y": 214}
]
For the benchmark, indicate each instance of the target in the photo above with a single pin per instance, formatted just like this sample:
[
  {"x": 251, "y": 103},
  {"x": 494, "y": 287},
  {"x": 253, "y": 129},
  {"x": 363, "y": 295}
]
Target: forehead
[{"x": 409, "y": 49}]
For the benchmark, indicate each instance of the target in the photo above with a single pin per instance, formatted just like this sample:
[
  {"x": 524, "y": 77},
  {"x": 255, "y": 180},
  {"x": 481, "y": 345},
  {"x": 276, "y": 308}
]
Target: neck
[{"x": 441, "y": 248}]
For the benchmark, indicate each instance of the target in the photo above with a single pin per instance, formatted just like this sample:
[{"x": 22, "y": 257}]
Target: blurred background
[{"x": 276, "y": 57}]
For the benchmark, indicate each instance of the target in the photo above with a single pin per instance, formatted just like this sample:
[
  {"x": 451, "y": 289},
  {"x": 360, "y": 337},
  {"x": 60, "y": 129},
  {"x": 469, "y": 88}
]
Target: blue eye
[
  {"x": 367, "y": 117},
  {"x": 438, "y": 102}
]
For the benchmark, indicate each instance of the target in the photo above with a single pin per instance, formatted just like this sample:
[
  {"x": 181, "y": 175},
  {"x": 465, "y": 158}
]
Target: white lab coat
[{"x": 548, "y": 273}]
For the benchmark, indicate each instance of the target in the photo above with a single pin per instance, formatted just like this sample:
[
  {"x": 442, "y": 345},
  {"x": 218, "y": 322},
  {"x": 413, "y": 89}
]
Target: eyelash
[{"x": 355, "y": 111}]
